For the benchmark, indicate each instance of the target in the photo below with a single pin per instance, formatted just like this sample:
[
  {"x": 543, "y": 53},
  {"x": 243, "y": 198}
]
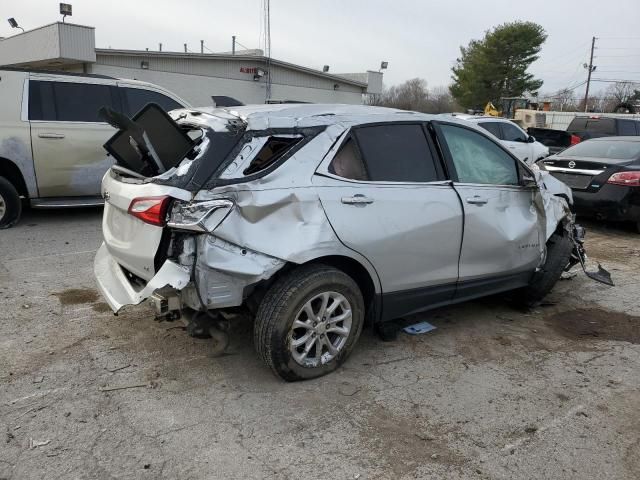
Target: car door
[
  {"x": 517, "y": 141},
  {"x": 67, "y": 136},
  {"x": 384, "y": 192},
  {"x": 501, "y": 243}
]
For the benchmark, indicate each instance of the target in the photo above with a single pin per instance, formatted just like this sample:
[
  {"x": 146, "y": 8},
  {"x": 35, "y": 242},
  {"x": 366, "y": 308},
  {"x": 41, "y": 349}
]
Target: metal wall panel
[
  {"x": 224, "y": 68},
  {"x": 58, "y": 42},
  {"x": 198, "y": 89},
  {"x": 77, "y": 42}
]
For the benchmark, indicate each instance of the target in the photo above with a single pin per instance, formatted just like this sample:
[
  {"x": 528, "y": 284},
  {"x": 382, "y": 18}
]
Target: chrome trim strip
[{"x": 582, "y": 171}]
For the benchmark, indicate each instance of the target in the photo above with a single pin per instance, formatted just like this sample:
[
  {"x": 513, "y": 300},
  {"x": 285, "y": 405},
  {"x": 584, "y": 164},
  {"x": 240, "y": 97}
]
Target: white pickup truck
[{"x": 51, "y": 138}]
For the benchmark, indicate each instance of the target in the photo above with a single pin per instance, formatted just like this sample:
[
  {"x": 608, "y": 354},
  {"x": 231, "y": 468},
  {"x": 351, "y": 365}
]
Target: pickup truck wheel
[
  {"x": 308, "y": 322},
  {"x": 10, "y": 204},
  {"x": 559, "y": 249}
]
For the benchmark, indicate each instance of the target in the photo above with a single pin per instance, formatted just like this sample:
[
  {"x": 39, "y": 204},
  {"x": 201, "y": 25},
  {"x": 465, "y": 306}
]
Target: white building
[{"x": 196, "y": 77}]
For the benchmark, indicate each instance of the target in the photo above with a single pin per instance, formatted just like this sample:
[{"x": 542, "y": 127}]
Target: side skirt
[{"x": 408, "y": 302}]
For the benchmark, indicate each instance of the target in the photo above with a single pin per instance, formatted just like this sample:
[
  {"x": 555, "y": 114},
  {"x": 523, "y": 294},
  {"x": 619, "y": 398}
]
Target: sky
[{"x": 417, "y": 38}]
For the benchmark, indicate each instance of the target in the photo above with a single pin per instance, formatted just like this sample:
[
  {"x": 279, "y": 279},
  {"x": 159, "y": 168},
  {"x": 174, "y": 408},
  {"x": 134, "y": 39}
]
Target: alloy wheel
[{"x": 320, "y": 330}]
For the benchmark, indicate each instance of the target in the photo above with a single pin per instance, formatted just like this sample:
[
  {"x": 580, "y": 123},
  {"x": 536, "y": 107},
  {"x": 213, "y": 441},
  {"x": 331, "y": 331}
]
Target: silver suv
[{"x": 318, "y": 218}]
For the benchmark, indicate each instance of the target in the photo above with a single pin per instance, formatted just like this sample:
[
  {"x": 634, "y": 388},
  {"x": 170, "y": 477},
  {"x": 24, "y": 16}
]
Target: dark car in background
[
  {"x": 584, "y": 128},
  {"x": 604, "y": 176}
]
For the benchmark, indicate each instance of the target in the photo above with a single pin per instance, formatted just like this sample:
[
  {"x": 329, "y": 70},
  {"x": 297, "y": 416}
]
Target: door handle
[
  {"x": 477, "y": 200},
  {"x": 357, "y": 200},
  {"x": 51, "y": 135}
]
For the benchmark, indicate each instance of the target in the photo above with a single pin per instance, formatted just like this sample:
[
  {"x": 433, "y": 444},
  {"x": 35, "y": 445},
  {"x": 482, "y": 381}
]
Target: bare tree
[
  {"x": 414, "y": 95},
  {"x": 441, "y": 101},
  {"x": 621, "y": 92},
  {"x": 564, "y": 100}
]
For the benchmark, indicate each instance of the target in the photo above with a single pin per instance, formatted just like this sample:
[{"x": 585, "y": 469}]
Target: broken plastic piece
[
  {"x": 601, "y": 276},
  {"x": 419, "y": 328}
]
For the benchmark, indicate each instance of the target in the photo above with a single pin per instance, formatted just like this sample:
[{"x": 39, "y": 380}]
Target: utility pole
[
  {"x": 185, "y": 48},
  {"x": 233, "y": 44},
  {"x": 201, "y": 46},
  {"x": 590, "y": 68}
]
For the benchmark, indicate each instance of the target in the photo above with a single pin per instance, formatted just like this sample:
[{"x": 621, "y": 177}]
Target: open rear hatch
[{"x": 153, "y": 154}]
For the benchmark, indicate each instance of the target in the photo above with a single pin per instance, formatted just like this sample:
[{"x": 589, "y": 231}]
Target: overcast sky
[{"x": 417, "y": 38}]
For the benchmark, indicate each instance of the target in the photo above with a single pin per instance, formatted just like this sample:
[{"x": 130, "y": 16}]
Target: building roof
[{"x": 224, "y": 56}]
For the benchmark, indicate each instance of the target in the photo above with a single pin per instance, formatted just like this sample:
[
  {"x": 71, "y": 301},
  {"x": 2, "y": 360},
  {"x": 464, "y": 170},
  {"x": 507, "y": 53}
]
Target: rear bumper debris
[{"x": 118, "y": 291}]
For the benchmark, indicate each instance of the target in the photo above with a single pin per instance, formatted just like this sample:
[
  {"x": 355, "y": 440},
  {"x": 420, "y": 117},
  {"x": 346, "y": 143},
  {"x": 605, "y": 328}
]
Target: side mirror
[
  {"x": 531, "y": 139},
  {"x": 528, "y": 181}
]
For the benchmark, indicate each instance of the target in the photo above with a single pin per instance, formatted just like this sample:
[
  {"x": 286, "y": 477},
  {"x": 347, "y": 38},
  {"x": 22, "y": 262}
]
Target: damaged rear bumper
[{"x": 118, "y": 291}]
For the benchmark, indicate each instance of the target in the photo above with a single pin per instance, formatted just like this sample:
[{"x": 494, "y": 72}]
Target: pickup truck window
[
  {"x": 606, "y": 126},
  {"x": 137, "y": 99},
  {"x": 627, "y": 127},
  {"x": 68, "y": 101}
]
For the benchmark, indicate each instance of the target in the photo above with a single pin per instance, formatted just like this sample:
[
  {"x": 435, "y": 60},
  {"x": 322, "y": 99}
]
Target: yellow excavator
[{"x": 509, "y": 105}]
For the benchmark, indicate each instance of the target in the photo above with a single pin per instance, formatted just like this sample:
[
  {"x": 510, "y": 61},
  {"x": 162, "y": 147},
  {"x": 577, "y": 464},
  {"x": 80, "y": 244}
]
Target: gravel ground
[{"x": 492, "y": 393}]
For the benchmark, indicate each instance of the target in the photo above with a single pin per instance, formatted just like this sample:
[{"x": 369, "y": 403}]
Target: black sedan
[{"x": 604, "y": 176}]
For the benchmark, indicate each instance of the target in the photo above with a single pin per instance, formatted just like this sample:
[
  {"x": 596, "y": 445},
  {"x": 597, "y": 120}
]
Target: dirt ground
[{"x": 493, "y": 393}]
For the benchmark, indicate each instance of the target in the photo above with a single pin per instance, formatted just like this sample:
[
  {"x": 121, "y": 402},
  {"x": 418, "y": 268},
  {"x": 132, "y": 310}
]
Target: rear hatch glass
[{"x": 156, "y": 148}]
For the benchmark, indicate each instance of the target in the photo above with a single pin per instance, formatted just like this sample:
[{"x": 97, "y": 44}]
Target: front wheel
[
  {"x": 10, "y": 204},
  {"x": 559, "y": 249},
  {"x": 308, "y": 322}
]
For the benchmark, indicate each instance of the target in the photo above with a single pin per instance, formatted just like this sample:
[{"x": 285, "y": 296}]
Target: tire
[
  {"x": 10, "y": 204},
  {"x": 285, "y": 302},
  {"x": 559, "y": 249}
]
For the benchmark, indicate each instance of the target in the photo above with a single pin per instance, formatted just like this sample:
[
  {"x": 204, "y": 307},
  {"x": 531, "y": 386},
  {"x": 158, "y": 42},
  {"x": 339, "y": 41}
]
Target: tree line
[{"x": 496, "y": 67}]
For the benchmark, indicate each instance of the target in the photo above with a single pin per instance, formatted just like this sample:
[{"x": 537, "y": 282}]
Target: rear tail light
[
  {"x": 575, "y": 139},
  {"x": 152, "y": 210},
  {"x": 629, "y": 179},
  {"x": 199, "y": 216}
]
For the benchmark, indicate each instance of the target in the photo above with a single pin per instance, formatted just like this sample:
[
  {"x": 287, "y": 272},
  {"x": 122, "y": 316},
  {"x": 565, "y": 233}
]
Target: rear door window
[
  {"x": 477, "y": 159},
  {"x": 492, "y": 127},
  {"x": 396, "y": 153},
  {"x": 80, "y": 102},
  {"x": 42, "y": 104},
  {"x": 138, "y": 98},
  {"x": 347, "y": 163},
  {"x": 513, "y": 133},
  {"x": 68, "y": 101},
  {"x": 626, "y": 127}
]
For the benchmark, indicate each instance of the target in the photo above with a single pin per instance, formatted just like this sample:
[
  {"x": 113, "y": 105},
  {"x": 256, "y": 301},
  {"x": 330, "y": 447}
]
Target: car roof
[
  {"x": 57, "y": 72},
  {"x": 260, "y": 117},
  {"x": 478, "y": 118},
  {"x": 629, "y": 138}
]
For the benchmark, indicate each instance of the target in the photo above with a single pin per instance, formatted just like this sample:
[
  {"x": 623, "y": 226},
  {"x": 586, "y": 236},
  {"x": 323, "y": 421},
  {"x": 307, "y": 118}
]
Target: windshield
[{"x": 619, "y": 149}]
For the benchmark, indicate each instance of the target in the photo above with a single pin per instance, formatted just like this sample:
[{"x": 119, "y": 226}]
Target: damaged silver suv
[{"x": 317, "y": 218}]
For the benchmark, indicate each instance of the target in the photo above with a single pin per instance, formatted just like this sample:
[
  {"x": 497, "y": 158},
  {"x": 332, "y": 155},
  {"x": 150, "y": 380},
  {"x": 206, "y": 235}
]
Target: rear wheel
[
  {"x": 10, "y": 204},
  {"x": 308, "y": 322},
  {"x": 559, "y": 249}
]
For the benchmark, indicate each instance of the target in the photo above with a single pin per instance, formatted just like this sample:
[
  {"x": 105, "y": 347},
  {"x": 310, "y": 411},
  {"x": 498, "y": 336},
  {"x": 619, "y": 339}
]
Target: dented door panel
[{"x": 502, "y": 232}]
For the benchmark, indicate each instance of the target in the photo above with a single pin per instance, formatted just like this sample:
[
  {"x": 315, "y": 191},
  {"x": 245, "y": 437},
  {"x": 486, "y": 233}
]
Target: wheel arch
[
  {"x": 364, "y": 275},
  {"x": 11, "y": 171}
]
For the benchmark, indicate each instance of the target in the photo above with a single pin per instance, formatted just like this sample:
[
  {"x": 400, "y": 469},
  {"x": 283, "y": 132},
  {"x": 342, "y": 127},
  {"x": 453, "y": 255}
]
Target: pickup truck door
[
  {"x": 67, "y": 136},
  {"x": 501, "y": 242}
]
